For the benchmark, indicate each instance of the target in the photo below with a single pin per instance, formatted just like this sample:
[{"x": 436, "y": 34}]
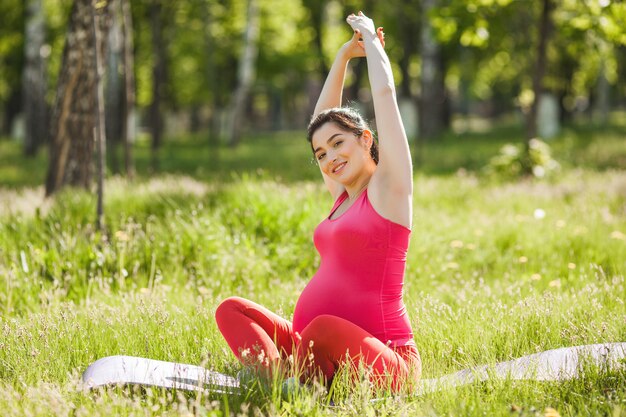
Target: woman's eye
[
  {"x": 339, "y": 142},
  {"x": 321, "y": 156}
]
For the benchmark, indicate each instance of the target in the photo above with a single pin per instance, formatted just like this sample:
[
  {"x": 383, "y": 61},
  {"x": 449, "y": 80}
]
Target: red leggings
[{"x": 256, "y": 335}]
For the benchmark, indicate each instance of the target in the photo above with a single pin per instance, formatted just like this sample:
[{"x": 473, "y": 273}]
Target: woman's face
[{"x": 340, "y": 154}]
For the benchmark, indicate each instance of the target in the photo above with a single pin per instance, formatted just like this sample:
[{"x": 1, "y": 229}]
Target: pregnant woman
[{"x": 352, "y": 311}]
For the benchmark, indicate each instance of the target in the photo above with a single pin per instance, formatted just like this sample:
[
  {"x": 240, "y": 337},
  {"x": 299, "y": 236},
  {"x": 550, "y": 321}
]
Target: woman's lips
[{"x": 339, "y": 167}]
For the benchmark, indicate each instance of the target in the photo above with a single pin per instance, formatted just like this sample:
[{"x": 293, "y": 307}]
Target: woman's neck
[{"x": 355, "y": 190}]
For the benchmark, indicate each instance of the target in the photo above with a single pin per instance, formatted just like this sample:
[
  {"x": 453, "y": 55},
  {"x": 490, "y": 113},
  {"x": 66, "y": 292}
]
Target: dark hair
[{"x": 346, "y": 118}]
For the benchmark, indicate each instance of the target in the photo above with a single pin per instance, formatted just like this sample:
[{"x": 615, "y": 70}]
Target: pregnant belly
[{"x": 335, "y": 296}]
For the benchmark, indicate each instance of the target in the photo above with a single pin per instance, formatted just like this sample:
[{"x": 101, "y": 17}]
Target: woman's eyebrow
[{"x": 327, "y": 141}]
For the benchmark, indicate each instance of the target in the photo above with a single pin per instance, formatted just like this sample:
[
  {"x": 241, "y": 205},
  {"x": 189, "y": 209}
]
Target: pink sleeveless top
[{"x": 361, "y": 273}]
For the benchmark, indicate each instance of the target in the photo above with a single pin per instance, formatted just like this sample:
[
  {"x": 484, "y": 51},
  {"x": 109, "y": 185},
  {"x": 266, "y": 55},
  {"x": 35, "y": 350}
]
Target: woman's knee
[
  {"x": 321, "y": 324},
  {"x": 323, "y": 329},
  {"x": 229, "y": 306}
]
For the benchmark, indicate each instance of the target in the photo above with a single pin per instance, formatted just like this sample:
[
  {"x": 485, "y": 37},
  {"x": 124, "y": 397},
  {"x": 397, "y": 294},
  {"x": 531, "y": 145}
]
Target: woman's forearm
[{"x": 378, "y": 66}]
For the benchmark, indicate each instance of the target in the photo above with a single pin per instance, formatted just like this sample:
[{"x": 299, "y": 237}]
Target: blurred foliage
[
  {"x": 514, "y": 161},
  {"x": 286, "y": 156},
  {"x": 11, "y": 46},
  {"x": 589, "y": 37},
  {"x": 488, "y": 48}
]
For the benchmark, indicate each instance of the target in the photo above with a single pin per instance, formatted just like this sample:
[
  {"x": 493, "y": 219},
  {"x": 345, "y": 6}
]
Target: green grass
[{"x": 488, "y": 277}]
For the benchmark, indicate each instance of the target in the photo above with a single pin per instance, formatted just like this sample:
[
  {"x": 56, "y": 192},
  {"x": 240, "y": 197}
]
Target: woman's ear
[{"x": 368, "y": 138}]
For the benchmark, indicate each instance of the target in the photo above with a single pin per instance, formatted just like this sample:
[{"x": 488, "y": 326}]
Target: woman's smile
[{"x": 339, "y": 167}]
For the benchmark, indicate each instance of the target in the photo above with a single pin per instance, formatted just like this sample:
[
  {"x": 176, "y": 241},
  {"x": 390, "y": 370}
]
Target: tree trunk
[
  {"x": 212, "y": 75},
  {"x": 34, "y": 79},
  {"x": 408, "y": 15},
  {"x": 567, "y": 67},
  {"x": 158, "y": 82},
  {"x": 128, "y": 132},
  {"x": 602, "y": 106},
  {"x": 11, "y": 109},
  {"x": 114, "y": 86},
  {"x": 432, "y": 99},
  {"x": 99, "y": 128},
  {"x": 12, "y": 62},
  {"x": 316, "y": 10},
  {"x": 407, "y": 18},
  {"x": 74, "y": 115},
  {"x": 245, "y": 74},
  {"x": 545, "y": 27}
]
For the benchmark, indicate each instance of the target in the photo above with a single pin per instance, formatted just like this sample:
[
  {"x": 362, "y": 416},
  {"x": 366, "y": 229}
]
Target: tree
[
  {"x": 545, "y": 28},
  {"x": 408, "y": 18},
  {"x": 128, "y": 103},
  {"x": 114, "y": 88},
  {"x": 212, "y": 75},
  {"x": 74, "y": 114},
  {"x": 585, "y": 55},
  {"x": 11, "y": 62},
  {"x": 99, "y": 130},
  {"x": 316, "y": 14},
  {"x": 120, "y": 87},
  {"x": 34, "y": 79},
  {"x": 246, "y": 73},
  {"x": 159, "y": 79},
  {"x": 433, "y": 93}
]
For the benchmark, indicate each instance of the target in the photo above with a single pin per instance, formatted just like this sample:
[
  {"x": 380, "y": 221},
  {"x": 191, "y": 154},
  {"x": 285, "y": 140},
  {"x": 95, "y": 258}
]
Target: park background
[{"x": 133, "y": 199}]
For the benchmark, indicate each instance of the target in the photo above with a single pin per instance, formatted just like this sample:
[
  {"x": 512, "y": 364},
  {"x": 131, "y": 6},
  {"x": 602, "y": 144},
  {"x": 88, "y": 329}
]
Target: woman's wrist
[
  {"x": 368, "y": 37},
  {"x": 344, "y": 53}
]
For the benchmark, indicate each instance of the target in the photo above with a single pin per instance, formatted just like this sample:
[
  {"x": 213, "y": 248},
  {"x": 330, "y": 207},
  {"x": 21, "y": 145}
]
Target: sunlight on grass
[{"x": 496, "y": 270}]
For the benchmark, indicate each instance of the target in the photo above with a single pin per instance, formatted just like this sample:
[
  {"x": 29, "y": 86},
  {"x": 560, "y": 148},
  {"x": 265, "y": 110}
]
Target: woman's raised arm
[
  {"x": 393, "y": 180},
  {"x": 333, "y": 86},
  {"x": 332, "y": 90}
]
